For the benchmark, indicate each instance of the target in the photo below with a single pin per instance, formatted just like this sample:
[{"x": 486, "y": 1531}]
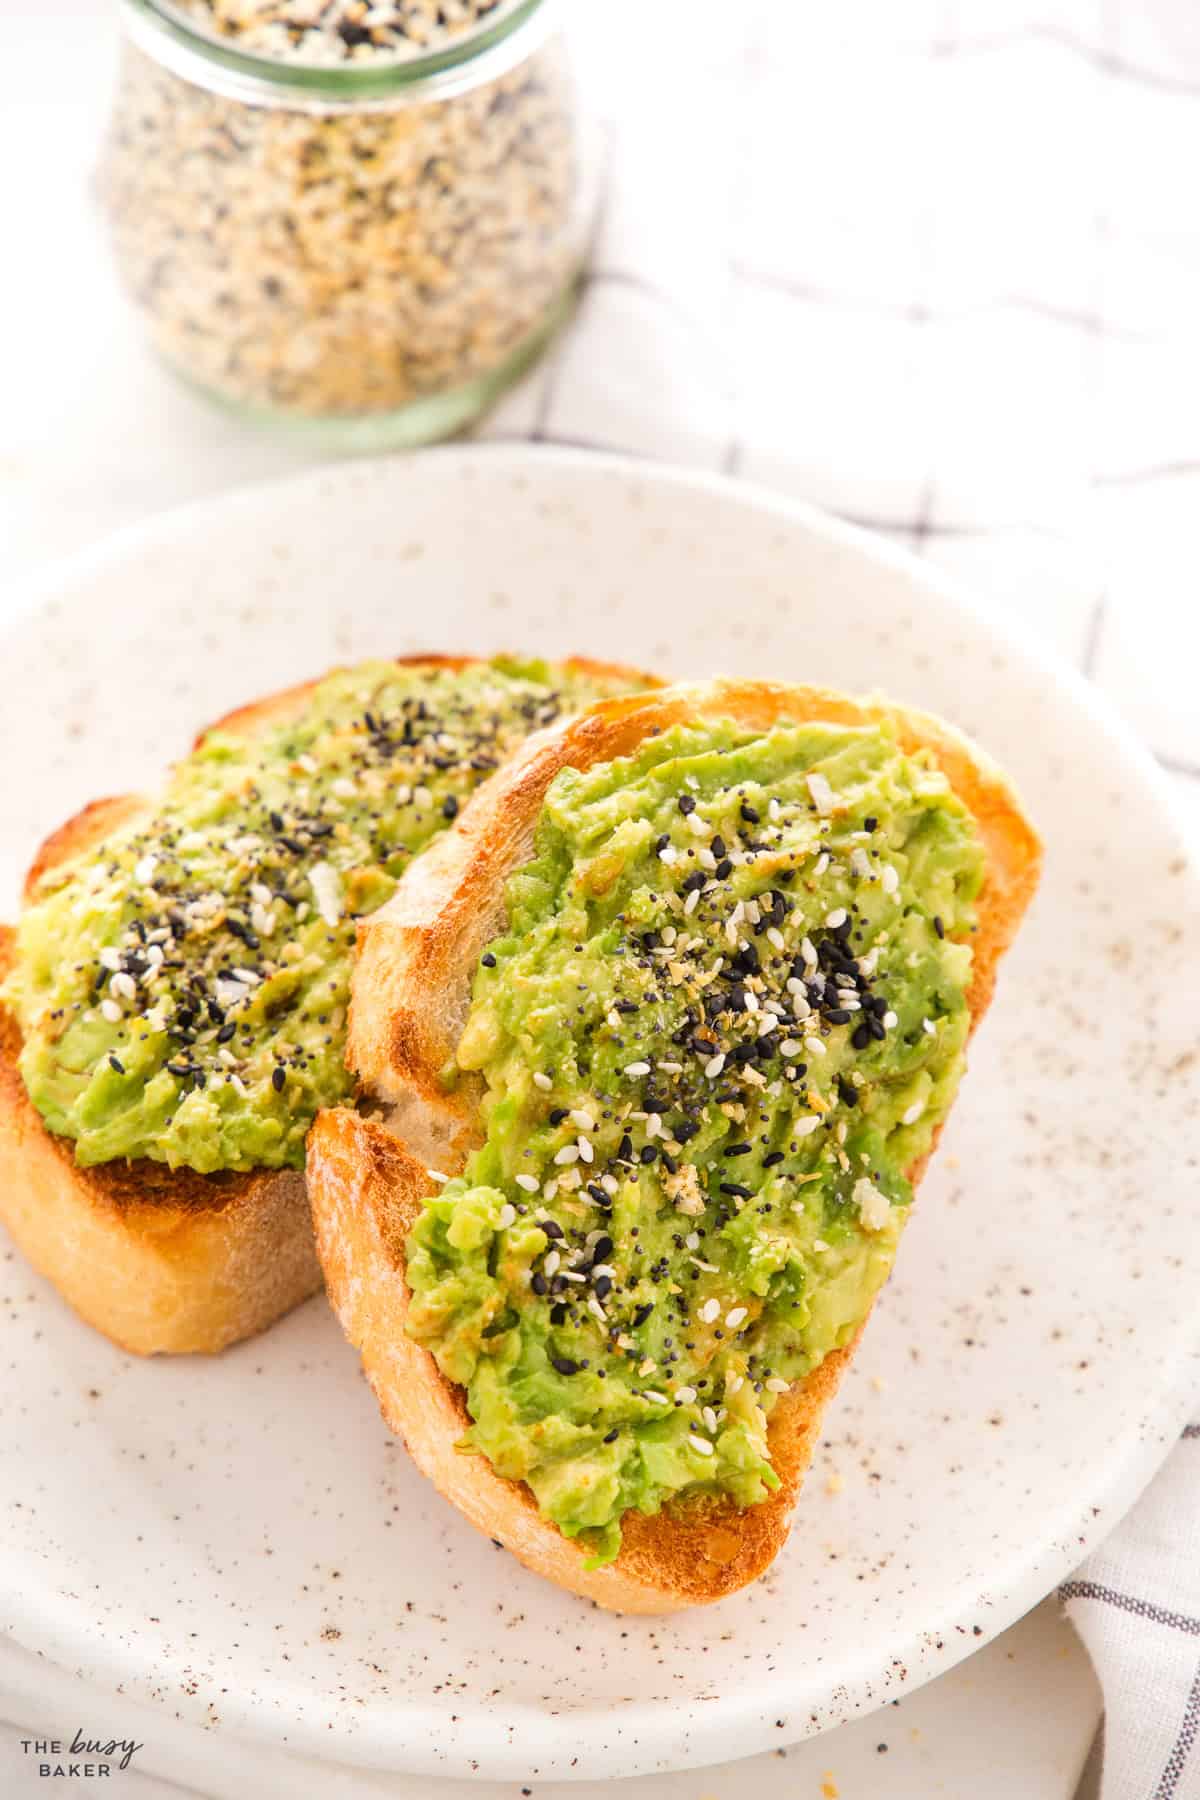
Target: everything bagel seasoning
[{"x": 313, "y": 258}]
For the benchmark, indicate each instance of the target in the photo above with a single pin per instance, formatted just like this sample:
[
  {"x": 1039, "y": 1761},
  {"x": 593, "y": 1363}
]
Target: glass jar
[{"x": 368, "y": 250}]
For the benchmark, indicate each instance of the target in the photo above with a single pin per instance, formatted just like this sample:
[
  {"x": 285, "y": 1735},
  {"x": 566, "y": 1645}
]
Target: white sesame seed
[
  {"x": 436, "y": 1175},
  {"x": 709, "y": 1417},
  {"x": 775, "y": 937},
  {"x": 550, "y": 1262},
  {"x": 583, "y": 1120},
  {"x": 805, "y": 1127},
  {"x": 818, "y": 1243},
  {"x": 822, "y": 863},
  {"x": 110, "y": 958},
  {"x": 653, "y": 1394},
  {"x": 814, "y": 1046},
  {"x": 567, "y": 1155},
  {"x": 506, "y": 1216},
  {"x": 808, "y": 952},
  {"x": 422, "y": 798},
  {"x": 637, "y": 1068},
  {"x": 713, "y": 1066},
  {"x": 692, "y": 901},
  {"x": 890, "y": 1021},
  {"x": 123, "y": 986},
  {"x": 667, "y": 854},
  {"x": 647, "y": 1366},
  {"x": 613, "y": 1018},
  {"x": 697, "y": 826},
  {"x": 913, "y": 1114},
  {"x": 733, "y": 1383},
  {"x": 836, "y": 917},
  {"x": 654, "y": 1125},
  {"x": 775, "y": 1384},
  {"x": 859, "y": 864},
  {"x": 706, "y": 859},
  {"x": 343, "y": 787},
  {"x": 307, "y": 763},
  {"x": 609, "y": 1183},
  {"x": 143, "y": 870},
  {"x": 549, "y": 1188},
  {"x": 889, "y": 879},
  {"x": 820, "y": 790},
  {"x": 111, "y": 1011},
  {"x": 710, "y": 1311},
  {"x": 528, "y": 1182},
  {"x": 596, "y": 1310},
  {"x": 700, "y": 1444},
  {"x": 929, "y": 1027},
  {"x": 326, "y": 885},
  {"x": 668, "y": 934},
  {"x": 767, "y": 1023},
  {"x": 587, "y": 1154},
  {"x": 542, "y": 1081},
  {"x": 790, "y": 1047},
  {"x": 737, "y": 1315}
]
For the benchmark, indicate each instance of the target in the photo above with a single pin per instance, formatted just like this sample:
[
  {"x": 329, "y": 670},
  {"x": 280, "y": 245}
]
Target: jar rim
[{"x": 189, "y": 50}]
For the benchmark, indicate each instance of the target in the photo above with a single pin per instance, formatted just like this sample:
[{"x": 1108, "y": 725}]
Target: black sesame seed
[
  {"x": 736, "y": 1191},
  {"x": 226, "y": 1032},
  {"x": 648, "y": 1153},
  {"x": 749, "y": 813},
  {"x": 774, "y": 1157},
  {"x": 686, "y": 804},
  {"x": 564, "y": 1365},
  {"x": 938, "y": 926},
  {"x": 738, "y": 1149},
  {"x": 860, "y": 1037},
  {"x": 449, "y": 807},
  {"x": 847, "y": 1093},
  {"x": 278, "y": 1077},
  {"x": 602, "y": 1249},
  {"x": 724, "y": 869},
  {"x": 643, "y": 1313},
  {"x": 610, "y": 1437},
  {"x": 114, "y": 1062},
  {"x": 551, "y": 1227},
  {"x": 557, "y": 1115},
  {"x": 870, "y": 822},
  {"x": 488, "y": 960},
  {"x": 539, "y": 1284}
]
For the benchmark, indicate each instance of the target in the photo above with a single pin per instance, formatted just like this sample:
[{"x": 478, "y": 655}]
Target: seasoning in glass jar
[{"x": 365, "y": 219}]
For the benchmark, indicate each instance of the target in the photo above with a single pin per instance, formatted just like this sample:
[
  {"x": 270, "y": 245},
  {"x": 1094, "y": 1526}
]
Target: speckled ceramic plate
[{"x": 242, "y": 1540}]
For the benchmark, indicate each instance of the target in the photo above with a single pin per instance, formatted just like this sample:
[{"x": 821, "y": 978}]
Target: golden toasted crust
[
  {"x": 410, "y": 994},
  {"x": 160, "y": 1259}
]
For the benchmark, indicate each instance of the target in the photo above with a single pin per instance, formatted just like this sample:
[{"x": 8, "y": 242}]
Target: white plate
[{"x": 242, "y": 1540}]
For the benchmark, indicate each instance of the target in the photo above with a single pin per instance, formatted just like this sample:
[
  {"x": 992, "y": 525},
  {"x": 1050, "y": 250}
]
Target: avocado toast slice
[
  {"x": 666, "y": 1029},
  {"x": 173, "y": 1000}
]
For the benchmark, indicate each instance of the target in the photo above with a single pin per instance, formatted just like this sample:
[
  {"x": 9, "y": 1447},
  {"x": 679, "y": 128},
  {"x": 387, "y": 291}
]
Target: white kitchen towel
[{"x": 937, "y": 268}]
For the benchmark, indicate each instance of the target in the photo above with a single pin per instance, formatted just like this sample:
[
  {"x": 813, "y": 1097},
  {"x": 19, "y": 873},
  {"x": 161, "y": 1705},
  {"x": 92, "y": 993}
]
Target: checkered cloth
[{"x": 937, "y": 268}]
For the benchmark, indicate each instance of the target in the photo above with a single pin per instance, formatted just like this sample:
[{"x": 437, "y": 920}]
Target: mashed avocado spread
[
  {"x": 727, "y": 1016},
  {"x": 182, "y": 989}
]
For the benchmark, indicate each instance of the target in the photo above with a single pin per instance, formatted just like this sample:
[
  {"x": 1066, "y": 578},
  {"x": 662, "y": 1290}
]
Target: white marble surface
[{"x": 94, "y": 436}]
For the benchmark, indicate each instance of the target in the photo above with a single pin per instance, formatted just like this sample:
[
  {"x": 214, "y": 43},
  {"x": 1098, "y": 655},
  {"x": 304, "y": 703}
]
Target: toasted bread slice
[
  {"x": 367, "y": 1179},
  {"x": 161, "y": 1259}
]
